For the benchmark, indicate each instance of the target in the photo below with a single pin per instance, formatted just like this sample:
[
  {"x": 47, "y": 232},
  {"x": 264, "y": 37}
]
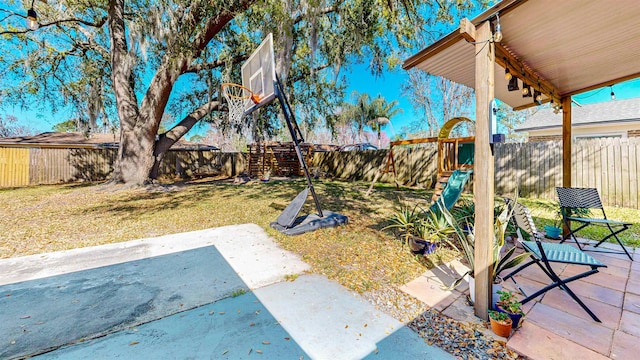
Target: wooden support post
[
  {"x": 484, "y": 171},
  {"x": 566, "y": 149}
]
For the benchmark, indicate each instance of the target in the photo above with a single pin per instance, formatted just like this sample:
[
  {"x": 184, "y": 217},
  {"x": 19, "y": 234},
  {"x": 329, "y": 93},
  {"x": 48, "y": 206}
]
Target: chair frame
[
  {"x": 562, "y": 253},
  {"x": 588, "y": 198}
]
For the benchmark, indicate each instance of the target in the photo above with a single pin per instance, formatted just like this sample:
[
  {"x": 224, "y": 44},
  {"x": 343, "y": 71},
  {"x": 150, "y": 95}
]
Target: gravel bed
[{"x": 464, "y": 341}]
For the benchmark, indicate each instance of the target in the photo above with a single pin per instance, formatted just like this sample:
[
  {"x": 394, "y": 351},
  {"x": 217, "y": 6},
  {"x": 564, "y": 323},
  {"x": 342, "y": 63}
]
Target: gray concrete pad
[
  {"x": 233, "y": 328},
  {"x": 189, "y": 296},
  {"x": 247, "y": 248},
  {"x": 330, "y": 322}
]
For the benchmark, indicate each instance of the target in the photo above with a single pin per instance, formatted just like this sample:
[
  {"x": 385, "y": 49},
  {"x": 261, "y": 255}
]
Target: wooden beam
[
  {"x": 517, "y": 68},
  {"x": 466, "y": 139},
  {"x": 484, "y": 171},
  {"x": 566, "y": 149},
  {"x": 413, "y": 141},
  {"x": 532, "y": 104},
  {"x": 467, "y": 30},
  {"x": 603, "y": 84}
]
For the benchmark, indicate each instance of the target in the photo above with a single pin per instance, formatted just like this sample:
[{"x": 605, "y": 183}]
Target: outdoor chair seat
[
  {"x": 544, "y": 254},
  {"x": 561, "y": 253},
  {"x": 598, "y": 221},
  {"x": 573, "y": 200}
]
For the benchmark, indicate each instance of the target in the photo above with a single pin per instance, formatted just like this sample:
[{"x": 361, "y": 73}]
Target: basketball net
[{"x": 238, "y": 98}]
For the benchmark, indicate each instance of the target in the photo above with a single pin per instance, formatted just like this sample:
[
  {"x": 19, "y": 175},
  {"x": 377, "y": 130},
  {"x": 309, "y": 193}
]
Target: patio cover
[
  {"x": 567, "y": 47},
  {"x": 561, "y": 48}
]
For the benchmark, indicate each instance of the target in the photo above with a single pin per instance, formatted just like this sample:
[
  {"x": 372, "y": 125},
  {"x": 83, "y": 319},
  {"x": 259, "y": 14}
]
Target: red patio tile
[
  {"x": 624, "y": 346},
  {"x": 535, "y": 273},
  {"x": 597, "y": 292},
  {"x": 634, "y": 274},
  {"x": 633, "y": 286},
  {"x": 612, "y": 259},
  {"x": 608, "y": 314},
  {"x": 430, "y": 292},
  {"x": 534, "y": 342},
  {"x": 528, "y": 285},
  {"x": 583, "y": 332},
  {"x": 600, "y": 278},
  {"x": 630, "y": 323},
  {"x": 615, "y": 270},
  {"x": 632, "y": 303}
]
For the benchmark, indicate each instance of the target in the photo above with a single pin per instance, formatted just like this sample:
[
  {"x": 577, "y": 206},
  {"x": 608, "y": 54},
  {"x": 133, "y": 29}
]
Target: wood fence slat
[
  {"x": 634, "y": 179},
  {"x": 624, "y": 153}
]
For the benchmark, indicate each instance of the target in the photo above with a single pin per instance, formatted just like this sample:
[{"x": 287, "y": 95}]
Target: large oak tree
[{"x": 123, "y": 59}]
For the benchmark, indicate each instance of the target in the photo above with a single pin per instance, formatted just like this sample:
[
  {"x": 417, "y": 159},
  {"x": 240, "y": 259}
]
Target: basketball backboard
[{"x": 259, "y": 74}]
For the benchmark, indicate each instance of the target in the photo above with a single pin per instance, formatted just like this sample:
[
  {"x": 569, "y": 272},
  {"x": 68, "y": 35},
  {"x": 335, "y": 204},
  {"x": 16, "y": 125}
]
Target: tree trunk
[
  {"x": 138, "y": 159},
  {"x": 169, "y": 138}
]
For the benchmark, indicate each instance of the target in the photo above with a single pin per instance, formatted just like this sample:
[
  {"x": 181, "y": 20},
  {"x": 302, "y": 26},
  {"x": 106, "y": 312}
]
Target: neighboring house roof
[
  {"x": 79, "y": 140},
  {"x": 592, "y": 114}
]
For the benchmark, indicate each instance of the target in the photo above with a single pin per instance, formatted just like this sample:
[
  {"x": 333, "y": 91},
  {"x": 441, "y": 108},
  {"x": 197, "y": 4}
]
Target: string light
[
  {"x": 507, "y": 74},
  {"x": 526, "y": 90},
  {"x": 32, "y": 18},
  {"x": 497, "y": 35},
  {"x": 537, "y": 97},
  {"x": 613, "y": 95}
]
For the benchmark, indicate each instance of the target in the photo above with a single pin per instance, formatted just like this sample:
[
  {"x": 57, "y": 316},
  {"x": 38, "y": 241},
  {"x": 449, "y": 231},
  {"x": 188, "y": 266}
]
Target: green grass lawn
[{"x": 359, "y": 256}]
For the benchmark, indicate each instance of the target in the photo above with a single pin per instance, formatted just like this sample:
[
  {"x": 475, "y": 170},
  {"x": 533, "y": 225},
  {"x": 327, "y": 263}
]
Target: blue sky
[{"x": 388, "y": 85}]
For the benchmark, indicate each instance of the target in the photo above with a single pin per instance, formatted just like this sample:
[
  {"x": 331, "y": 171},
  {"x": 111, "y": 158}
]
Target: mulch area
[{"x": 462, "y": 340}]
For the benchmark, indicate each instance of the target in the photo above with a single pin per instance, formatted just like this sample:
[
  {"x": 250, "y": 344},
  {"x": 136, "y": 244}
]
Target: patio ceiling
[{"x": 561, "y": 47}]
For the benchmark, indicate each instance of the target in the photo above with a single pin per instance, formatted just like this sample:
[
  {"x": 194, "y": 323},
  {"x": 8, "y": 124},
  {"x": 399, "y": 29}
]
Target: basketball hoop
[{"x": 238, "y": 97}]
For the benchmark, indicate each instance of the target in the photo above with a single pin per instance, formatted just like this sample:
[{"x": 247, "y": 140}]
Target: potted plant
[
  {"x": 553, "y": 231},
  {"x": 421, "y": 230},
  {"x": 510, "y": 305},
  {"x": 500, "y": 323},
  {"x": 412, "y": 228}
]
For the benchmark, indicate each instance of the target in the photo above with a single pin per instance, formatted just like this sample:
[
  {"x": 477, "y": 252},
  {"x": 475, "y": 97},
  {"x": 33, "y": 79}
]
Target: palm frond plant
[
  {"x": 405, "y": 221},
  {"x": 499, "y": 261}
]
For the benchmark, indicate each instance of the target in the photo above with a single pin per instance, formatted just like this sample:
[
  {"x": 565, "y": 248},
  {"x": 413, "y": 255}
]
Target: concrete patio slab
[{"x": 189, "y": 296}]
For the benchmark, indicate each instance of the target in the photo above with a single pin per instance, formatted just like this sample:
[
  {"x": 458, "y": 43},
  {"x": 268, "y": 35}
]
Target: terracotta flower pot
[{"x": 501, "y": 328}]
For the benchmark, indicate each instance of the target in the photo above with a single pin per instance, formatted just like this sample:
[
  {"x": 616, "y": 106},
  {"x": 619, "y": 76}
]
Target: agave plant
[
  {"x": 436, "y": 228},
  {"x": 500, "y": 262},
  {"x": 406, "y": 221}
]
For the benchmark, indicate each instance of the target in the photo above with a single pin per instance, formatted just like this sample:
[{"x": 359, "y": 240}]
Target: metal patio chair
[
  {"x": 572, "y": 200},
  {"x": 544, "y": 254}
]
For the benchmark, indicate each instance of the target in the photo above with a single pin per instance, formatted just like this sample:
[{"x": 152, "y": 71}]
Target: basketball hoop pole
[{"x": 297, "y": 137}]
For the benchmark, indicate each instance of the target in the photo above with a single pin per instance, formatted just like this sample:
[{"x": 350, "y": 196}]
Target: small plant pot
[
  {"x": 515, "y": 318},
  {"x": 421, "y": 246},
  {"x": 552, "y": 232},
  {"x": 501, "y": 328},
  {"x": 497, "y": 286}
]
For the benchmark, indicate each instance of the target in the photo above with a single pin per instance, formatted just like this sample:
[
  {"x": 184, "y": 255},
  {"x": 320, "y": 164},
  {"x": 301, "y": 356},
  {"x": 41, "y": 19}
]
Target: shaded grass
[{"x": 51, "y": 218}]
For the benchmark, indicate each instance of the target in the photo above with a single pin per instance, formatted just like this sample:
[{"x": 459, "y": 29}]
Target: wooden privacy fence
[
  {"x": 414, "y": 166},
  {"x": 37, "y": 166},
  {"x": 611, "y": 165}
]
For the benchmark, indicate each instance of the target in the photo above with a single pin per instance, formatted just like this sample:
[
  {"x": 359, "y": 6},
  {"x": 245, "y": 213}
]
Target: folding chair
[
  {"x": 543, "y": 254},
  {"x": 574, "y": 199}
]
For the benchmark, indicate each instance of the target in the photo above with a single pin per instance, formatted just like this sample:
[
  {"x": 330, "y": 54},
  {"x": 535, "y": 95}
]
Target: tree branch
[{"x": 194, "y": 68}]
